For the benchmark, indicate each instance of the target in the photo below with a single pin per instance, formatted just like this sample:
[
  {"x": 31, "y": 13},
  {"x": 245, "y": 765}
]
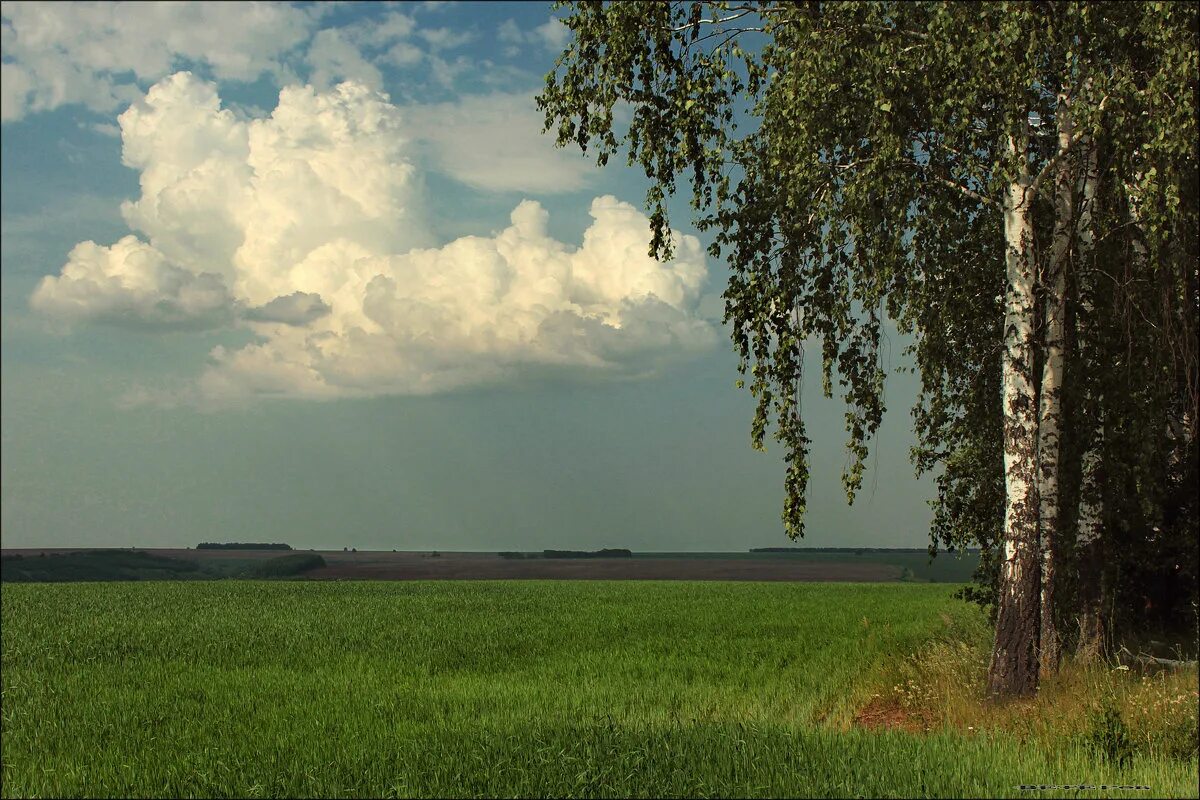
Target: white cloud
[
  {"x": 348, "y": 53},
  {"x": 333, "y": 58},
  {"x": 131, "y": 283},
  {"x": 297, "y": 308},
  {"x": 104, "y": 129},
  {"x": 92, "y": 54},
  {"x": 446, "y": 38},
  {"x": 393, "y": 27},
  {"x": 446, "y": 72},
  {"x": 510, "y": 32},
  {"x": 403, "y": 54},
  {"x": 495, "y": 142},
  {"x": 307, "y": 227},
  {"x": 551, "y": 34}
]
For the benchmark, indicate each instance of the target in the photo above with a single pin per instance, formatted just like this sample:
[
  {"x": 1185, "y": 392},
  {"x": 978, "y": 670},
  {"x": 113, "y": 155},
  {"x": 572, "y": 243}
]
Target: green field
[
  {"x": 473, "y": 688},
  {"x": 946, "y": 567}
]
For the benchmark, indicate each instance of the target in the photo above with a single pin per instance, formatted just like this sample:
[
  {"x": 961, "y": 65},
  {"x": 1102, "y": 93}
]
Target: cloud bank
[{"x": 307, "y": 227}]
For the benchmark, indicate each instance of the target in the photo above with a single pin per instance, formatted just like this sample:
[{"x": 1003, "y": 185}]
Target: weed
[{"x": 1108, "y": 735}]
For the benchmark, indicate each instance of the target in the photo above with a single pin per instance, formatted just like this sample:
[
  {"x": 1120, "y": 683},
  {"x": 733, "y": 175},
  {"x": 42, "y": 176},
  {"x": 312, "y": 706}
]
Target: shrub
[{"x": 1108, "y": 735}]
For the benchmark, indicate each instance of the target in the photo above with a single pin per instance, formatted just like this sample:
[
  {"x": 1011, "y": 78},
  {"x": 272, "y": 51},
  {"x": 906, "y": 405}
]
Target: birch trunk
[
  {"x": 1049, "y": 426},
  {"x": 1014, "y": 666},
  {"x": 1089, "y": 541}
]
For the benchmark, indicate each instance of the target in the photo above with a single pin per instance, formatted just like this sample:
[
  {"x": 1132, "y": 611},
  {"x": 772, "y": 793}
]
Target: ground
[{"x": 378, "y": 565}]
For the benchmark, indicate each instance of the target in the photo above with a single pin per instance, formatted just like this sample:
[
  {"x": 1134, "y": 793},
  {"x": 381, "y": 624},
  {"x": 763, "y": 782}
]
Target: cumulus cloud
[
  {"x": 307, "y": 227},
  {"x": 94, "y": 53},
  {"x": 297, "y": 308},
  {"x": 132, "y": 284}
]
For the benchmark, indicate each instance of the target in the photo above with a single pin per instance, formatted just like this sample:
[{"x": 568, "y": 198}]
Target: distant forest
[
  {"x": 242, "y": 546},
  {"x": 612, "y": 552},
  {"x": 847, "y": 550}
]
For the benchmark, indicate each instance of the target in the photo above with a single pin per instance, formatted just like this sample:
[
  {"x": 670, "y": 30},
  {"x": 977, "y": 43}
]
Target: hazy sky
[{"x": 312, "y": 274}]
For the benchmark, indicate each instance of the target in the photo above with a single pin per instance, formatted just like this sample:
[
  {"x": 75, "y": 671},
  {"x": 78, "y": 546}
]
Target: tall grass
[
  {"x": 1101, "y": 704},
  {"x": 565, "y": 689}
]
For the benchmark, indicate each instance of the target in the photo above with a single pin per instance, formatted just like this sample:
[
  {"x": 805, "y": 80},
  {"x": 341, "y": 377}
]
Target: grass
[
  {"x": 1122, "y": 711},
  {"x": 522, "y": 688}
]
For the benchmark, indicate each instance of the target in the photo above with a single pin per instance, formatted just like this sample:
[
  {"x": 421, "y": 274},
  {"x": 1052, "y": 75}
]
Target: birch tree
[{"x": 922, "y": 163}]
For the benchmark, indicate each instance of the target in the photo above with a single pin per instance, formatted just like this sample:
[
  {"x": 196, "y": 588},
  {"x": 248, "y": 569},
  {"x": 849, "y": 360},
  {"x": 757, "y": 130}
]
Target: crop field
[
  {"x": 66, "y": 564},
  {"x": 496, "y": 688}
]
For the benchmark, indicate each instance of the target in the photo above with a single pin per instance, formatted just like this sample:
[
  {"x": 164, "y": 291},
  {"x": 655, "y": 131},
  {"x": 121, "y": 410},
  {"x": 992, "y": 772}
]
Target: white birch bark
[
  {"x": 1054, "y": 290},
  {"x": 1014, "y": 667}
]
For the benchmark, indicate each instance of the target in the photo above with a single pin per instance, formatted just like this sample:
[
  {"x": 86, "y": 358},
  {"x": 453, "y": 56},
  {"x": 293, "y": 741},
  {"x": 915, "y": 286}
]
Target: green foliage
[
  {"x": 562, "y": 689},
  {"x": 1166, "y": 716},
  {"x": 851, "y": 159},
  {"x": 97, "y": 565},
  {"x": 283, "y": 566},
  {"x": 1108, "y": 734}
]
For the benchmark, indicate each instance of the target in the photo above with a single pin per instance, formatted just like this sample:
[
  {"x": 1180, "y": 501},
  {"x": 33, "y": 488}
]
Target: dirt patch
[{"x": 886, "y": 714}]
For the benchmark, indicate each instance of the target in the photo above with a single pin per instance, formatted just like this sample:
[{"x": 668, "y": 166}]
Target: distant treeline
[
  {"x": 97, "y": 565},
  {"x": 610, "y": 552},
  {"x": 242, "y": 546},
  {"x": 847, "y": 550}
]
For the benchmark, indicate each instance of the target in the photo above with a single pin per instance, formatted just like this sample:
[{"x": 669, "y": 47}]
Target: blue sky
[{"x": 311, "y": 273}]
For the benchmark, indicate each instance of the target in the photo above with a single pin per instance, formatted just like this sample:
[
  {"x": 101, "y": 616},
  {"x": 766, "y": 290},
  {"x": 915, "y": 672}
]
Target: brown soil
[{"x": 884, "y": 714}]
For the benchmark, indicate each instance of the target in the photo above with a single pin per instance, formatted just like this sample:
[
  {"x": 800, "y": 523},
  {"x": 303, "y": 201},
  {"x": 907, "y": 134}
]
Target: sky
[{"x": 311, "y": 273}]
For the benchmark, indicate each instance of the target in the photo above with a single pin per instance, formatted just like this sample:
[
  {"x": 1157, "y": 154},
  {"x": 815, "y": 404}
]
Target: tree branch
[
  {"x": 1062, "y": 153},
  {"x": 971, "y": 193},
  {"x": 951, "y": 184},
  {"x": 713, "y": 21}
]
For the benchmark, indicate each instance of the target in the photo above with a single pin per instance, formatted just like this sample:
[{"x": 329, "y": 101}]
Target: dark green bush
[{"x": 1108, "y": 735}]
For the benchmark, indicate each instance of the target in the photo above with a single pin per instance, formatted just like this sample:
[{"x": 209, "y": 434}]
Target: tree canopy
[{"x": 1013, "y": 185}]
